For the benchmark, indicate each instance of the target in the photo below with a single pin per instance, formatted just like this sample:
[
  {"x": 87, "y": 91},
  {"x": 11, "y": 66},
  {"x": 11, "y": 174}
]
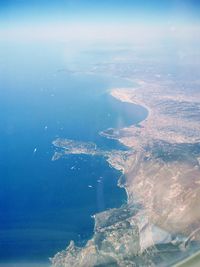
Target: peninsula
[{"x": 162, "y": 180}]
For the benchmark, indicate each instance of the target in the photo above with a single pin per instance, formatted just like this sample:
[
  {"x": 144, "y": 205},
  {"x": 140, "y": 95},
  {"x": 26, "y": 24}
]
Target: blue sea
[{"x": 44, "y": 204}]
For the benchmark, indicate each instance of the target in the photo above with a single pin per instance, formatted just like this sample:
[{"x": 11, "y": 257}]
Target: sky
[
  {"x": 97, "y": 9},
  {"x": 90, "y": 19}
]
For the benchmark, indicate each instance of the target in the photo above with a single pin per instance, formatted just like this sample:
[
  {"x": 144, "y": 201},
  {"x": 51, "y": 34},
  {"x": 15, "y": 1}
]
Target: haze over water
[{"x": 43, "y": 202}]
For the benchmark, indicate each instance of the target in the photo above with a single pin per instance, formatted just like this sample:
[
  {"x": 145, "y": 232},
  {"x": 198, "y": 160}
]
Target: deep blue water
[{"x": 45, "y": 204}]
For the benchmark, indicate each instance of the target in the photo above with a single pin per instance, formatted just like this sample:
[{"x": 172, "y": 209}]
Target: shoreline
[
  {"x": 119, "y": 183},
  {"x": 141, "y": 185},
  {"x": 121, "y": 95}
]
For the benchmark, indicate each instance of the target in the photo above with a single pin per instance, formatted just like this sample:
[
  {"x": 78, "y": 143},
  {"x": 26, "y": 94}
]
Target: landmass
[
  {"x": 160, "y": 224},
  {"x": 119, "y": 159}
]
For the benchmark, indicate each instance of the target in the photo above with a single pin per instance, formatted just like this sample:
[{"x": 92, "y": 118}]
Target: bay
[{"x": 45, "y": 204}]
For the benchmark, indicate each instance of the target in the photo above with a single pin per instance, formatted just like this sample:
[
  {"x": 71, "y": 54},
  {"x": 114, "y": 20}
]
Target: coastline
[
  {"x": 120, "y": 97},
  {"x": 153, "y": 180},
  {"x": 125, "y": 95}
]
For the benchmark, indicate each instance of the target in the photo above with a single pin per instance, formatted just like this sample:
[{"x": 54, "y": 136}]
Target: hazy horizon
[{"x": 134, "y": 22}]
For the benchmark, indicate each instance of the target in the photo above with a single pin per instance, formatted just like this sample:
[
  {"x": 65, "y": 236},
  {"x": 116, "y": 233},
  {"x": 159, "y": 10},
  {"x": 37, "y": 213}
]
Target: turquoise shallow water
[{"x": 45, "y": 204}]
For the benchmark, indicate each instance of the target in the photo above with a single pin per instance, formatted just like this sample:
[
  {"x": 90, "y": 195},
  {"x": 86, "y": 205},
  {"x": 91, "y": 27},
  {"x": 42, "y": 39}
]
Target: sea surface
[{"x": 43, "y": 203}]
